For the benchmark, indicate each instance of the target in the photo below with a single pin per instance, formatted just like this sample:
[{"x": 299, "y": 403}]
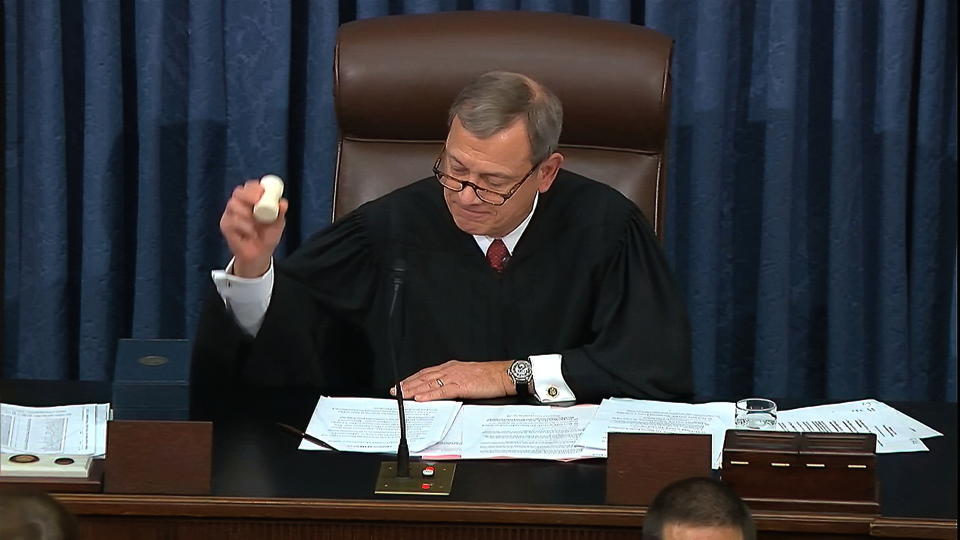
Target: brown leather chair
[{"x": 395, "y": 78}]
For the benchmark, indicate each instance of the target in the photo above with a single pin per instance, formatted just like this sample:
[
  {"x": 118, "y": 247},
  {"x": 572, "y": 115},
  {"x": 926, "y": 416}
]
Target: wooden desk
[{"x": 264, "y": 488}]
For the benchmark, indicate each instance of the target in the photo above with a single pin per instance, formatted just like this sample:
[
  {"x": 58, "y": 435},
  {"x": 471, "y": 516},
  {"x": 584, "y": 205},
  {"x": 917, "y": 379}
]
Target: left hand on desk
[{"x": 460, "y": 380}]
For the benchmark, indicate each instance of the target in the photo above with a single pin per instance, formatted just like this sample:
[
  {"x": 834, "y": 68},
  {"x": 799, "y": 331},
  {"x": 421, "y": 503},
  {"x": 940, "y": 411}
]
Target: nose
[{"x": 468, "y": 196}]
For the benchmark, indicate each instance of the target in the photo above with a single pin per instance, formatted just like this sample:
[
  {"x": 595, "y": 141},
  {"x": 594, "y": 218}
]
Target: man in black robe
[{"x": 518, "y": 276}]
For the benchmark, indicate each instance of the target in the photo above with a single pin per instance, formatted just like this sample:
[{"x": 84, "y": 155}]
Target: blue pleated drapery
[{"x": 812, "y": 182}]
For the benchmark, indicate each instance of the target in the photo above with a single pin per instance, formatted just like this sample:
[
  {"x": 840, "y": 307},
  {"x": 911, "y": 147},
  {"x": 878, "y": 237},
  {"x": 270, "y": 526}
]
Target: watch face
[{"x": 520, "y": 371}]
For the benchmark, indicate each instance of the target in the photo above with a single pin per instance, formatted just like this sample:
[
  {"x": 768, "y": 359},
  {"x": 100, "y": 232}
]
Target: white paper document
[
  {"x": 373, "y": 425},
  {"x": 870, "y": 406},
  {"x": 450, "y": 446},
  {"x": 526, "y": 431},
  {"x": 642, "y": 416},
  {"x": 449, "y": 430},
  {"x": 896, "y": 432},
  {"x": 67, "y": 429}
]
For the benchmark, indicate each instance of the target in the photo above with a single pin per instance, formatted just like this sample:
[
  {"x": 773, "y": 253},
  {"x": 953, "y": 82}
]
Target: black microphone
[
  {"x": 398, "y": 272},
  {"x": 428, "y": 478}
]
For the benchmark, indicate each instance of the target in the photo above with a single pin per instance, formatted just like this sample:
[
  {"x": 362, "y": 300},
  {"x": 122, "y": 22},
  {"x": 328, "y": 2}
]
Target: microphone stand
[
  {"x": 396, "y": 337},
  {"x": 395, "y": 477}
]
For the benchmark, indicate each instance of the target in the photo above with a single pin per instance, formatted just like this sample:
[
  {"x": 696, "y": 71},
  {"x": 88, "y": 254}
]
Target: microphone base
[{"x": 388, "y": 483}]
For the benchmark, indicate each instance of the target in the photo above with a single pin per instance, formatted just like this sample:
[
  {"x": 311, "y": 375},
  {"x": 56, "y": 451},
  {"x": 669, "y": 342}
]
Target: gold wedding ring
[{"x": 440, "y": 382}]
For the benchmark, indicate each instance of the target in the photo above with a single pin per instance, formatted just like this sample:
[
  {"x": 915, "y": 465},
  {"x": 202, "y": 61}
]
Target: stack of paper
[
  {"x": 641, "y": 416},
  {"x": 68, "y": 429},
  {"x": 518, "y": 432},
  {"x": 896, "y": 432},
  {"x": 447, "y": 430},
  {"x": 373, "y": 425}
]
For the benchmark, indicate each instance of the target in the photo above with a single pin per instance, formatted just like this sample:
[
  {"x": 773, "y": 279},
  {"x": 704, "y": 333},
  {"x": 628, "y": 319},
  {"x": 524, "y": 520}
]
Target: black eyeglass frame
[{"x": 438, "y": 174}]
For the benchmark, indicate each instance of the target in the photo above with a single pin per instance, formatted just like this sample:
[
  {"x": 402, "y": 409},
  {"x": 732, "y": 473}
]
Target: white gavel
[{"x": 268, "y": 207}]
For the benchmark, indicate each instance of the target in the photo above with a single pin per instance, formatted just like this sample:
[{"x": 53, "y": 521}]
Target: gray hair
[{"x": 496, "y": 99}]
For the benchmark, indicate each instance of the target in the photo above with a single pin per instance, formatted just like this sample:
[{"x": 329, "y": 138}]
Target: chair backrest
[{"x": 395, "y": 78}]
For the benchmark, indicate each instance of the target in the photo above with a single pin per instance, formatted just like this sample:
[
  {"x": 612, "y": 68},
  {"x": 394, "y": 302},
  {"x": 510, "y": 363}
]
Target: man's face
[
  {"x": 679, "y": 531},
  {"x": 497, "y": 163}
]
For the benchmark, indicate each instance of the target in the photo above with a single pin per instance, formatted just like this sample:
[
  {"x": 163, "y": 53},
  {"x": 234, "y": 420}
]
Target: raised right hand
[{"x": 251, "y": 242}]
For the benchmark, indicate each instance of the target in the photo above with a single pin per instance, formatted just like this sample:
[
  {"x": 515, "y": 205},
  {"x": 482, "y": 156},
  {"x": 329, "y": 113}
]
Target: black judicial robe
[{"x": 587, "y": 280}]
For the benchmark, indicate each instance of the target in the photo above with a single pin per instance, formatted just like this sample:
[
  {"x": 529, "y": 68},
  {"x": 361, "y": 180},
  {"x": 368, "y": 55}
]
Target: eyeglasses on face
[{"x": 488, "y": 196}]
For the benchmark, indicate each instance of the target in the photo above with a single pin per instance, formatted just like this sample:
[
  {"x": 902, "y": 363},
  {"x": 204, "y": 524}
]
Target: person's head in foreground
[
  {"x": 32, "y": 515},
  {"x": 698, "y": 509}
]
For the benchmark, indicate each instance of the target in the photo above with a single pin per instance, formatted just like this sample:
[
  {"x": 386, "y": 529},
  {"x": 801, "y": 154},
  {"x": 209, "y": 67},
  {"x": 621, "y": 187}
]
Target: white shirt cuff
[
  {"x": 548, "y": 383},
  {"x": 246, "y": 299}
]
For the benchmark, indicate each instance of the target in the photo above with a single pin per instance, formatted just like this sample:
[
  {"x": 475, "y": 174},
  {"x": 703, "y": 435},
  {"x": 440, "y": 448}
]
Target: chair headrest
[{"x": 397, "y": 76}]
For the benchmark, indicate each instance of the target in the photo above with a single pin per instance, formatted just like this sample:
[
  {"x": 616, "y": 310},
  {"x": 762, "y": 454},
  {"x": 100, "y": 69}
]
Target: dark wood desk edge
[
  {"x": 459, "y": 512},
  {"x": 914, "y": 528},
  {"x": 336, "y": 509}
]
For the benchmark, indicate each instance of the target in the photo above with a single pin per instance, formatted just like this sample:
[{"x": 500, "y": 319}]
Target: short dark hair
[
  {"x": 700, "y": 502},
  {"x": 496, "y": 99},
  {"x": 33, "y": 515}
]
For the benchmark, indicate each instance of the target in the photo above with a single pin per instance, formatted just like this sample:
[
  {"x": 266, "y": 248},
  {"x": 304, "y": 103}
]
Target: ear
[{"x": 548, "y": 171}]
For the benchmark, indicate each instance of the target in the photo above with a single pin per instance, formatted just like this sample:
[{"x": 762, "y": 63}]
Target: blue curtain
[{"x": 813, "y": 175}]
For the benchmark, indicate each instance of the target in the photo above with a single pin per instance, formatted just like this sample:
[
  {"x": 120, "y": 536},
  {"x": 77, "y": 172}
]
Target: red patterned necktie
[{"x": 498, "y": 255}]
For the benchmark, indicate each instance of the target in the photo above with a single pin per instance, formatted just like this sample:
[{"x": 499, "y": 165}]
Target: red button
[
  {"x": 424, "y": 486},
  {"x": 428, "y": 471}
]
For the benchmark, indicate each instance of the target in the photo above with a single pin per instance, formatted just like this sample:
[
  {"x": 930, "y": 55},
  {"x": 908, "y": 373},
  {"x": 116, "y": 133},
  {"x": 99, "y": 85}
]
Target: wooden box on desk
[
  {"x": 833, "y": 472},
  {"x": 166, "y": 458},
  {"x": 639, "y": 465}
]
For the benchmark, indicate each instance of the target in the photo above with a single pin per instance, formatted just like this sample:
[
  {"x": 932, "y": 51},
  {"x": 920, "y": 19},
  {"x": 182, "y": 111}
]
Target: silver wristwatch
[{"x": 521, "y": 371}]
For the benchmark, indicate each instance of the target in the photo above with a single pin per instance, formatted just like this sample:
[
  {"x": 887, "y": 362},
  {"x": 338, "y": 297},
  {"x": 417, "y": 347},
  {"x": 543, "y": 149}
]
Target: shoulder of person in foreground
[{"x": 34, "y": 515}]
